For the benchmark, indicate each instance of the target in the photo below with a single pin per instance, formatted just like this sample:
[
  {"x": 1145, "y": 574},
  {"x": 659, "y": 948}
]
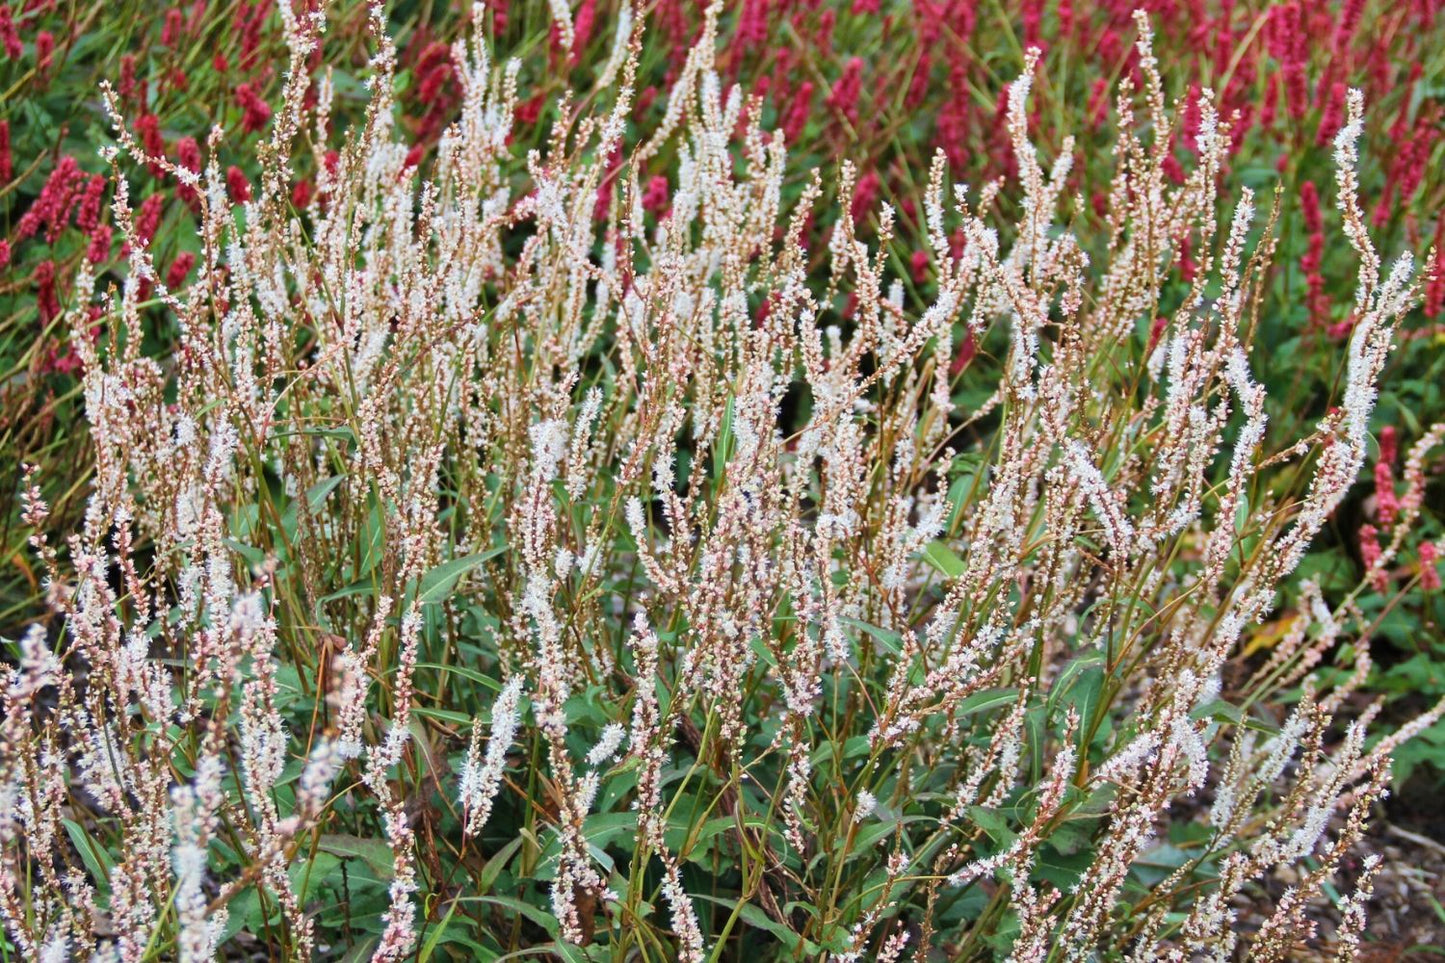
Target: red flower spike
[
  {"x": 1188, "y": 270},
  {"x": 1332, "y": 116},
  {"x": 90, "y": 205},
  {"x": 655, "y": 199},
  {"x": 52, "y": 208},
  {"x": 529, "y": 110},
  {"x": 1369, "y": 545},
  {"x": 918, "y": 84},
  {"x": 148, "y": 130},
  {"x": 44, "y": 51},
  {"x": 127, "y": 85},
  {"x": 1189, "y": 120},
  {"x": 188, "y": 156},
  {"x": 237, "y": 185},
  {"x": 1429, "y": 574},
  {"x": 965, "y": 354},
  {"x": 255, "y": 111},
  {"x": 823, "y": 36},
  {"x": 1309, "y": 196},
  {"x": 1349, "y": 22},
  {"x": 45, "y": 299},
  {"x": 175, "y": 23},
  {"x": 1387, "y": 505},
  {"x": 1389, "y": 444},
  {"x": 148, "y": 218},
  {"x": 7, "y": 166},
  {"x": 918, "y": 265},
  {"x": 582, "y": 24},
  {"x": 1156, "y": 331},
  {"x": 798, "y": 112},
  {"x": 1033, "y": 16},
  {"x": 1435, "y": 289},
  {"x": 1173, "y": 169},
  {"x": 180, "y": 269},
  {"x": 9, "y": 36},
  {"x": 99, "y": 249},
  {"x": 865, "y": 195},
  {"x": 844, "y": 96}
]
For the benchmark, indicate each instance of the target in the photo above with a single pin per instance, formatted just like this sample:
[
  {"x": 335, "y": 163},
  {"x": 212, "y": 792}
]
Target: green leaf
[
  {"x": 243, "y": 912},
  {"x": 855, "y": 746},
  {"x": 371, "y": 540},
  {"x": 1219, "y": 710},
  {"x": 1241, "y": 513},
  {"x": 760, "y": 649},
  {"x": 437, "y": 932},
  {"x": 944, "y": 559},
  {"x": 538, "y": 916},
  {"x": 444, "y": 932},
  {"x": 890, "y": 640},
  {"x": 373, "y": 852},
  {"x": 754, "y": 916},
  {"x": 569, "y": 952},
  {"x": 1034, "y": 722},
  {"x": 1222, "y": 711},
  {"x": 97, "y": 860},
  {"x": 494, "y": 866},
  {"x": 315, "y": 498},
  {"x": 598, "y": 830},
  {"x": 307, "y": 876},
  {"x": 986, "y": 699},
  {"x": 1072, "y": 837},
  {"x": 342, "y": 434},
  {"x": 875, "y": 830},
  {"x": 444, "y": 715},
  {"x": 1158, "y": 863},
  {"x": 478, "y": 677},
  {"x": 994, "y": 823},
  {"x": 316, "y": 494},
  {"x": 438, "y": 584},
  {"x": 364, "y": 587},
  {"x": 724, "y": 443},
  {"x": 960, "y": 489},
  {"x": 254, "y": 556},
  {"x": 1080, "y": 685},
  {"x": 363, "y": 950}
]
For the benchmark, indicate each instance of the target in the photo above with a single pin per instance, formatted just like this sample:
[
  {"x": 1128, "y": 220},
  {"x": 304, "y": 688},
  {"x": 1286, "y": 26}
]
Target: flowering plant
[{"x": 586, "y": 569}]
